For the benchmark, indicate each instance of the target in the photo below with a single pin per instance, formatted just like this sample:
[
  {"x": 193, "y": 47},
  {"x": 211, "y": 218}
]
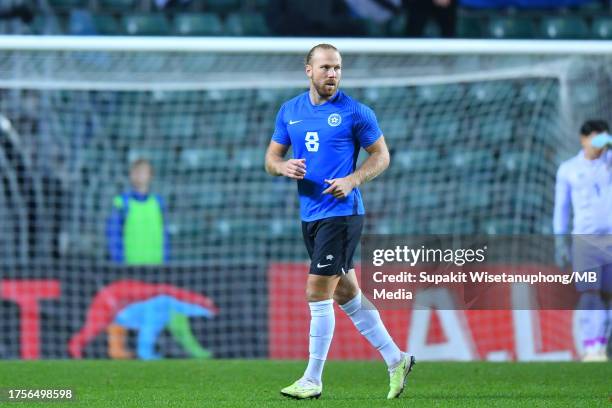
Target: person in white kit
[{"x": 584, "y": 188}]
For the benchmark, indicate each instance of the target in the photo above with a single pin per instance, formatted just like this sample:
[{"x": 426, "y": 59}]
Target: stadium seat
[
  {"x": 203, "y": 159},
  {"x": 242, "y": 228},
  {"x": 47, "y": 24},
  {"x": 131, "y": 128},
  {"x": 226, "y": 129},
  {"x": 537, "y": 92},
  {"x": 202, "y": 195},
  {"x": 469, "y": 26},
  {"x": 520, "y": 161},
  {"x": 81, "y": 22},
  {"x": 66, "y": 5},
  {"x": 285, "y": 228},
  {"x": 197, "y": 24},
  {"x": 222, "y": 6},
  {"x": 396, "y": 27},
  {"x": 586, "y": 93},
  {"x": 486, "y": 92},
  {"x": 395, "y": 126},
  {"x": 403, "y": 226},
  {"x": 389, "y": 94},
  {"x": 511, "y": 27},
  {"x": 373, "y": 28},
  {"x": 246, "y": 24},
  {"x": 602, "y": 28},
  {"x": 116, "y": 5},
  {"x": 469, "y": 197},
  {"x": 276, "y": 96},
  {"x": 567, "y": 27},
  {"x": 500, "y": 227},
  {"x": 439, "y": 93},
  {"x": 145, "y": 24},
  {"x": 497, "y": 128},
  {"x": 467, "y": 161},
  {"x": 248, "y": 158},
  {"x": 437, "y": 132},
  {"x": 106, "y": 24},
  {"x": 451, "y": 225},
  {"x": 260, "y": 5},
  {"x": 424, "y": 197},
  {"x": 416, "y": 160},
  {"x": 176, "y": 125}
]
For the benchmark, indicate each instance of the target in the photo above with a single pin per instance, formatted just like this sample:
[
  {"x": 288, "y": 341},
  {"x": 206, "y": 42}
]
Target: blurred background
[
  {"x": 570, "y": 19},
  {"x": 476, "y": 138}
]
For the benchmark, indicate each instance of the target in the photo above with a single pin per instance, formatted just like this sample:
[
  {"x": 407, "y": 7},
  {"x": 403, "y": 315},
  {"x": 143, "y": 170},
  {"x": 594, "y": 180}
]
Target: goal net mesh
[{"x": 475, "y": 143}]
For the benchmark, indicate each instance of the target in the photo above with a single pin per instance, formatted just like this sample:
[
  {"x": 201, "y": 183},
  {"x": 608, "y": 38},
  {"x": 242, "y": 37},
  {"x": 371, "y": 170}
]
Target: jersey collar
[{"x": 333, "y": 99}]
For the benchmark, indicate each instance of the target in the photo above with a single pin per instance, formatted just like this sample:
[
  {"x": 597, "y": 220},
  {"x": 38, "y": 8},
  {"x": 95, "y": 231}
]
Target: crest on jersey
[{"x": 334, "y": 120}]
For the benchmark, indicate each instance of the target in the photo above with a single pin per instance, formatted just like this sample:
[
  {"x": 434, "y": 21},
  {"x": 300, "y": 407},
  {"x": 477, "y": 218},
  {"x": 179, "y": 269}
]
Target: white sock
[
  {"x": 367, "y": 321},
  {"x": 592, "y": 319},
  {"x": 322, "y": 324}
]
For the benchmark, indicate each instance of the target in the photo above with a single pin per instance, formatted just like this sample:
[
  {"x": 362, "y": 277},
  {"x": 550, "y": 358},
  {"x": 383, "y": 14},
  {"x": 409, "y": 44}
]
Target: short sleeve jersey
[{"x": 329, "y": 136}]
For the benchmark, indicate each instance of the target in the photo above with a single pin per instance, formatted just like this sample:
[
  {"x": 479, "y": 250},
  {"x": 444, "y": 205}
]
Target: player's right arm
[{"x": 276, "y": 164}]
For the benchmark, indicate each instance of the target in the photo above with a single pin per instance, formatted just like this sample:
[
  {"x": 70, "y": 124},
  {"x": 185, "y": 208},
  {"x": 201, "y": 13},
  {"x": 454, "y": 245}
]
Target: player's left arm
[{"x": 377, "y": 161}]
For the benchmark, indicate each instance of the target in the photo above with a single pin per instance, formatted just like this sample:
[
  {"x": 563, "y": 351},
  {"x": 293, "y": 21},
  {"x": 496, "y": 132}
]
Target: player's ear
[{"x": 308, "y": 70}]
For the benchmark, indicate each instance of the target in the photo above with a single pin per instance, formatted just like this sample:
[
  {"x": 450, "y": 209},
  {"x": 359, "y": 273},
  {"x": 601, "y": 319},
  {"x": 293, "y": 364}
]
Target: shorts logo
[{"x": 334, "y": 120}]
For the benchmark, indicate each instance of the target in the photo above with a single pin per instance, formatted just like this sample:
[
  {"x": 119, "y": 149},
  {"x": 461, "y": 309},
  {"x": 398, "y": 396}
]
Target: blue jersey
[{"x": 329, "y": 137}]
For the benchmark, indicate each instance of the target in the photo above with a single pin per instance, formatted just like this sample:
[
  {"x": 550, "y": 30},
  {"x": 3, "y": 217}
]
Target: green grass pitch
[{"x": 256, "y": 383}]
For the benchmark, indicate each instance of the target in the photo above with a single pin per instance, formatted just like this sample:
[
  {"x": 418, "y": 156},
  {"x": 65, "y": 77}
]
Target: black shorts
[{"x": 331, "y": 243}]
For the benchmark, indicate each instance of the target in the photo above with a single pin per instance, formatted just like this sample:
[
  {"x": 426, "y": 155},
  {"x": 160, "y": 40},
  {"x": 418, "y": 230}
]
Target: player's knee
[
  {"x": 316, "y": 294},
  {"x": 344, "y": 294}
]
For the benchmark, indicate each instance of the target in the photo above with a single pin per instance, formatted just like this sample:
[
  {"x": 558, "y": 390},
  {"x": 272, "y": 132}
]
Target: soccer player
[
  {"x": 326, "y": 129},
  {"x": 584, "y": 184}
]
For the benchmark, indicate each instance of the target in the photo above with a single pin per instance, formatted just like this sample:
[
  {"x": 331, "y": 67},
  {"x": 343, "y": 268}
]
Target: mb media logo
[{"x": 334, "y": 119}]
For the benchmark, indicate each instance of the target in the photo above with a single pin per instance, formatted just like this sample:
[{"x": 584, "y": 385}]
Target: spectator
[
  {"x": 136, "y": 230},
  {"x": 420, "y": 11}
]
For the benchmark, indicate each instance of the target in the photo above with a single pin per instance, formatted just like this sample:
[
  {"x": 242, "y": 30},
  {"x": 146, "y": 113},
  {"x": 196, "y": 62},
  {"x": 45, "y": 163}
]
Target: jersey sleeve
[
  {"x": 280, "y": 129},
  {"x": 114, "y": 229},
  {"x": 563, "y": 203},
  {"x": 366, "y": 127}
]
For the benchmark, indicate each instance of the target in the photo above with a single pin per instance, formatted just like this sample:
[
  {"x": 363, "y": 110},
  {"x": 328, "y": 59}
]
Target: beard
[{"x": 325, "y": 90}]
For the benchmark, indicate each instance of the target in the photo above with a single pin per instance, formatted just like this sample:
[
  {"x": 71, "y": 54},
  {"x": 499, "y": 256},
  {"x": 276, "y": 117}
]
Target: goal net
[{"x": 476, "y": 134}]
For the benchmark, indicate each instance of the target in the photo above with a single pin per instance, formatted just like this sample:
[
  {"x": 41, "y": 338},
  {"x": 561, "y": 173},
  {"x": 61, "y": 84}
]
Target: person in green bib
[{"x": 136, "y": 230}]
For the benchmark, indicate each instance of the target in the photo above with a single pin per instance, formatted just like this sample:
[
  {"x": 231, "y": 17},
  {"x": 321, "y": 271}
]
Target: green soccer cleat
[
  {"x": 399, "y": 375},
  {"x": 303, "y": 389}
]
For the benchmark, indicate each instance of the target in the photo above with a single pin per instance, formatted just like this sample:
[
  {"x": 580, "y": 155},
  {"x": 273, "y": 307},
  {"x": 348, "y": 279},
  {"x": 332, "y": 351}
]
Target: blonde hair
[{"x": 316, "y": 47}]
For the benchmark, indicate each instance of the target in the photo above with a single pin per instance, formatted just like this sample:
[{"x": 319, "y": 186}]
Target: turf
[{"x": 256, "y": 383}]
